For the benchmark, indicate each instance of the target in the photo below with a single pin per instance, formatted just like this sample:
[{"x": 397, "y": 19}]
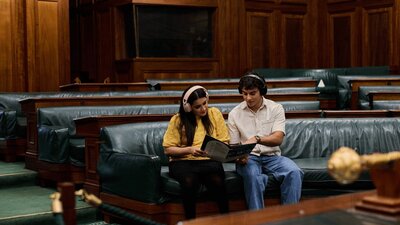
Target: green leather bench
[
  {"x": 392, "y": 104},
  {"x": 59, "y": 144},
  {"x": 344, "y": 89},
  {"x": 329, "y": 76},
  {"x": 13, "y": 122},
  {"x": 133, "y": 168},
  {"x": 364, "y": 101}
]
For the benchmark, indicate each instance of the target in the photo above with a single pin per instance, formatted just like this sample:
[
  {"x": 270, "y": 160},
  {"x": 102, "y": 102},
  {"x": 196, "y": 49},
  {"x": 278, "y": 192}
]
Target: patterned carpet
[{"x": 23, "y": 202}]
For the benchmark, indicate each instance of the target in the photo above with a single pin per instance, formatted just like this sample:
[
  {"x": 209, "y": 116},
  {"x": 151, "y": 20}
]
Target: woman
[{"x": 189, "y": 165}]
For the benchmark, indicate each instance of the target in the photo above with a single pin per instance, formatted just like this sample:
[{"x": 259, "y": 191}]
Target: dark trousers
[{"x": 191, "y": 174}]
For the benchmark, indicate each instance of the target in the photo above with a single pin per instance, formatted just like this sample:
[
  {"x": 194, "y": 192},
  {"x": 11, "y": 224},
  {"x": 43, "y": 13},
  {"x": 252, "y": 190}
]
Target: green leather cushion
[{"x": 392, "y": 104}]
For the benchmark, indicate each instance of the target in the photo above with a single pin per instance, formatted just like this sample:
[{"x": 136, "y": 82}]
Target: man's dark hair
[{"x": 252, "y": 80}]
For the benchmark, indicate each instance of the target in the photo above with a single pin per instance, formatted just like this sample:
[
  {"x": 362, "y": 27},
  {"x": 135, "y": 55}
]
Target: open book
[{"x": 219, "y": 151}]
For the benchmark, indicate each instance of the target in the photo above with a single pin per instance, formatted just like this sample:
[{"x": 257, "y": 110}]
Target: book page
[
  {"x": 222, "y": 152},
  {"x": 217, "y": 150}
]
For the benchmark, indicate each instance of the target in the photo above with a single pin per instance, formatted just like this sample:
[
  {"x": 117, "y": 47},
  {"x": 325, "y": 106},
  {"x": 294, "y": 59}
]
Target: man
[{"x": 260, "y": 120}]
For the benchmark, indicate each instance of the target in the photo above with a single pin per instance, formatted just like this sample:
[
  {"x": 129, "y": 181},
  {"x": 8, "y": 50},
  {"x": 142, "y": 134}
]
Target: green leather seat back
[
  {"x": 139, "y": 138},
  {"x": 315, "y": 138}
]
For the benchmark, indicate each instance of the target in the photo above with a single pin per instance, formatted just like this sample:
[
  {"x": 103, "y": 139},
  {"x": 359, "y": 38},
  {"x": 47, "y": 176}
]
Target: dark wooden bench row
[
  {"x": 89, "y": 128},
  {"x": 29, "y": 108},
  {"x": 356, "y": 83},
  {"x": 176, "y": 85},
  {"x": 388, "y": 96}
]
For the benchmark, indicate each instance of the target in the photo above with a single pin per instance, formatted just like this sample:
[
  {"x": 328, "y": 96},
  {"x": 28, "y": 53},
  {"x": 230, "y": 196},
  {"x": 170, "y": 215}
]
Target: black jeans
[{"x": 191, "y": 174}]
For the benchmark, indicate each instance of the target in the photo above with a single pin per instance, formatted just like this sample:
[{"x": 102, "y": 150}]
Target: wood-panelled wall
[
  {"x": 46, "y": 43},
  {"x": 34, "y": 45}
]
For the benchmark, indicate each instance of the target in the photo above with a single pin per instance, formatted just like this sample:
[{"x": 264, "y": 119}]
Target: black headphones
[{"x": 263, "y": 90}]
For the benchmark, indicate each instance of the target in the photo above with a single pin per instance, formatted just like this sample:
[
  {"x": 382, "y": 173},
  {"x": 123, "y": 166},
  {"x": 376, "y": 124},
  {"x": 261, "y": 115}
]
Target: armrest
[
  {"x": 135, "y": 176},
  {"x": 53, "y": 144},
  {"x": 8, "y": 123}
]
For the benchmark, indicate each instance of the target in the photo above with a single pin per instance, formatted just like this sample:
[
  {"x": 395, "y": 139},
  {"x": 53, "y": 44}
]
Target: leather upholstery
[
  {"x": 54, "y": 119},
  {"x": 344, "y": 96},
  {"x": 365, "y": 90},
  {"x": 328, "y": 75},
  {"x": 392, "y": 104},
  {"x": 132, "y": 163}
]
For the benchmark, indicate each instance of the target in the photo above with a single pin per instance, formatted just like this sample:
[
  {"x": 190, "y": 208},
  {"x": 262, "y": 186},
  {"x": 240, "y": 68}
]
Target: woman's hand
[{"x": 198, "y": 152}]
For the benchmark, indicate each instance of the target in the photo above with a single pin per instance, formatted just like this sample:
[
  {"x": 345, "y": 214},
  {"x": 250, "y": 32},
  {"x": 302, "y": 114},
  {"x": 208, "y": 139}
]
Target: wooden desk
[
  {"x": 358, "y": 82},
  {"x": 94, "y": 87},
  {"x": 179, "y": 85},
  {"x": 382, "y": 95},
  {"x": 234, "y": 85},
  {"x": 280, "y": 214},
  {"x": 355, "y": 113}
]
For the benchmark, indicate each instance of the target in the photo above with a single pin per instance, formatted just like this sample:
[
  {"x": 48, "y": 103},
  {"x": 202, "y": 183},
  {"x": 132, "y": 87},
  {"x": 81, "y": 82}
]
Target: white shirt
[{"x": 243, "y": 124}]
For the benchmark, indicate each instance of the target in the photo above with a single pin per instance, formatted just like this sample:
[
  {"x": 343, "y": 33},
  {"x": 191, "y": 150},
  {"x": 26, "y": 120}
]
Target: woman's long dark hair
[{"x": 188, "y": 119}]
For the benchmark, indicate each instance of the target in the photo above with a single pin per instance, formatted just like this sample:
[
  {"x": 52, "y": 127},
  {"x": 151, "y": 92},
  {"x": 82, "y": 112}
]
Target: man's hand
[
  {"x": 250, "y": 140},
  {"x": 242, "y": 160}
]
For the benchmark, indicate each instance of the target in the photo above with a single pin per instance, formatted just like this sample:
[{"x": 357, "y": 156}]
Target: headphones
[
  {"x": 186, "y": 106},
  {"x": 263, "y": 89}
]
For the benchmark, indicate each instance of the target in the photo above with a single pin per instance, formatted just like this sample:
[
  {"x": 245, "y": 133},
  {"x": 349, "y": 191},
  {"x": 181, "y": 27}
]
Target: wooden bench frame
[
  {"x": 169, "y": 212},
  {"x": 29, "y": 108},
  {"x": 11, "y": 149},
  {"x": 355, "y": 113},
  {"x": 358, "y": 82},
  {"x": 282, "y": 214},
  {"x": 234, "y": 84},
  {"x": 382, "y": 95},
  {"x": 89, "y": 128},
  {"x": 179, "y": 85},
  {"x": 87, "y": 87}
]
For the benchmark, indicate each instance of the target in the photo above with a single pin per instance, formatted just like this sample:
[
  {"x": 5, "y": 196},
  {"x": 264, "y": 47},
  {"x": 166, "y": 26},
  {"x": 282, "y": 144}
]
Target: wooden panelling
[
  {"x": 141, "y": 69},
  {"x": 87, "y": 70},
  {"x": 175, "y": 68},
  {"x": 275, "y": 34},
  {"x": 48, "y": 42},
  {"x": 377, "y": 36},
  {"x": 292, "y": 48},
  {"x": 48, "y": 46},
  {"x": 259, "y": 32},
  {"x": 342, "y": 32},
  {"x": 35, "y": 39},
  {"x": 104, "y": 44},
  {"x": 342, "y": 41},
  {"x": 362, "y": 33},
  {"x": 230, "y": 37},
  {"x": 5, "y": 46},
  {"x": 12, "y": 46}
]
